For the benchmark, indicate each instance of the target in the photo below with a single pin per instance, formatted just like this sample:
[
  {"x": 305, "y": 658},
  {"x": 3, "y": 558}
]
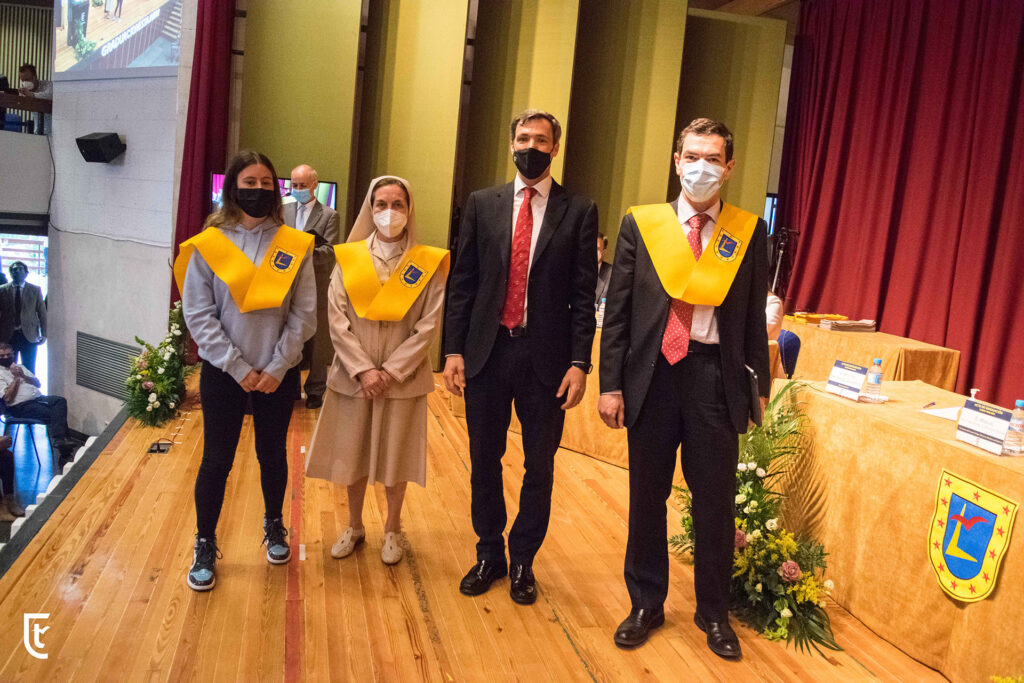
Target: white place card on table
[
  {"x": 983, "y": 426},
  {"x": 846, "y": 379}
]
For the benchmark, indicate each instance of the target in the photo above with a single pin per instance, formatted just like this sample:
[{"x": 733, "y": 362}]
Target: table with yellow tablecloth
[
  {"x": 902, "y": 358},
  {"x": 867, "y": 491},
  {"x": 584, "y": 431}
]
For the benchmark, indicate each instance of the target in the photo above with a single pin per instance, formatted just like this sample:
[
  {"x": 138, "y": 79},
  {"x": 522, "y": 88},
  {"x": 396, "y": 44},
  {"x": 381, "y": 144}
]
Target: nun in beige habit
[{"x": 384, "y": 311}]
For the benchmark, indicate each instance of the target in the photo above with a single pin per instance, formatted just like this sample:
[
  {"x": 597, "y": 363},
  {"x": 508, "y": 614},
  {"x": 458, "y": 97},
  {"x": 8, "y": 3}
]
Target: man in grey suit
[
  {"x": 22, "y": 316},
  {"x": 308, "y": 214}
]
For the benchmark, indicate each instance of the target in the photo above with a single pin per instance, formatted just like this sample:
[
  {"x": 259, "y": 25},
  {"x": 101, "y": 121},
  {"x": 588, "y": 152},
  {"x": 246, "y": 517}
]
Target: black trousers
[
  {"x": 685, "y": 405},
  {"x": 508, "y": 378},
  {"x": 224, "y": 404},
  {"x": 53, "y": 410},
  {"x": 24, "y": 351}
]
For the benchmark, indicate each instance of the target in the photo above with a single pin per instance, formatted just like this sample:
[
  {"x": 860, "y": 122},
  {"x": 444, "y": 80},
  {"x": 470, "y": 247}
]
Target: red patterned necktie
[
  {"x": 676, "y": 341},
  {"x": 519, "y": 264}
]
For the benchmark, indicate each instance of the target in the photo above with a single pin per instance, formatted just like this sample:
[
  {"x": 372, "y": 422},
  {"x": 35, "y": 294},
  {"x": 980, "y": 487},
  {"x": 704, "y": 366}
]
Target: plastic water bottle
[
  {"x": 873, "y": 388},
  {"x": 1013, "y": 444},
  {"x": 600, "y": 312}
]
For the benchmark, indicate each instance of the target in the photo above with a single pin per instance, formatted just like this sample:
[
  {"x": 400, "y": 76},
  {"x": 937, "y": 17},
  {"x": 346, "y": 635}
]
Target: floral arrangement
[
  {"x": 778, "y": 584},
  {"x": 156, "y": 383}
]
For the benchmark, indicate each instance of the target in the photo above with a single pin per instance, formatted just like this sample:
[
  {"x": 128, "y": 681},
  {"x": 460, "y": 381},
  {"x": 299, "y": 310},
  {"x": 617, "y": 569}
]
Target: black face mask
[
  {"x": 531, "y": 162},
  {"x": 256, "y": 201},
  {"x": 6, "y": 362}
]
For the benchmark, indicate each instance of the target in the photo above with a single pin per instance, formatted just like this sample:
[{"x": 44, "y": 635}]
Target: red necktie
[
  {"x": 676, "y": 341},
  {"x": 519, "y": 264}
]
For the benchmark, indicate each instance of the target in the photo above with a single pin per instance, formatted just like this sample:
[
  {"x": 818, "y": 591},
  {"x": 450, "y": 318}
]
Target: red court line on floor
[{"x": 294, "y": 623}]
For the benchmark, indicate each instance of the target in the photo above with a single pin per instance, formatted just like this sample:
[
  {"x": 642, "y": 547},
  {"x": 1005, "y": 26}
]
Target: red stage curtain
[
  {"x": 903, "y": 172},
  {"x": 206, "y": 129}
]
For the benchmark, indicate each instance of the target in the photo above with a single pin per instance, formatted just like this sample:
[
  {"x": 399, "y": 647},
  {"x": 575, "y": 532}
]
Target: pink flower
[
  {"x": 142, "y": 365},
  {"x": 790, "y": 571},
  {"x": 147, "y": 385},
  {"x": 741, "y": 539}
]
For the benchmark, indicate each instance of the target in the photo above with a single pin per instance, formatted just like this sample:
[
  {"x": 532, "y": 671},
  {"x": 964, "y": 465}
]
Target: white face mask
[
  {"x": 701, "y": 180},
  {"x": 27, "y": 85},
  {"x": 390, "y": 223}
]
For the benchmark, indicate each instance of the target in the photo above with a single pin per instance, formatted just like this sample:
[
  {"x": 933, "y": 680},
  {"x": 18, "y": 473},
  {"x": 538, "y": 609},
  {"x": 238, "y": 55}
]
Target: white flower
[
  {"x": 171, "y": 404},
  {"x": 785, "y": 613},
  {"x": 753, "y": 505},
  {"x": 176, "y": 332},
  {"x": 138, "y": 376},
  {"x": 160, "y": 371},
  {"x": 149, "y": 409},
  {"x": 758, "y": 587},
  {"x": 741, "y": 498},
  {"x": 747, "y": 510},
  {"x": 829, "y": 586},
  {"x": 761, "y": 472},
  {"x": 755, "y": 534},
  {"x": 742, "y": 467},
  {"x": 772, "y": 524},
  {"x": 156, "y": 404},
  {"x": 152, "y": 397}
]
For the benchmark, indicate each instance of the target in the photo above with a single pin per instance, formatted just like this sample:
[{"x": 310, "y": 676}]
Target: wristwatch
[{"x": 587, "y": 368}]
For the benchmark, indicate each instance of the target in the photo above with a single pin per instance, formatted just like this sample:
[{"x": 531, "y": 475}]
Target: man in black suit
[
  {"x": 520, "y": 325},
  {"x": 673, "y": 373}
]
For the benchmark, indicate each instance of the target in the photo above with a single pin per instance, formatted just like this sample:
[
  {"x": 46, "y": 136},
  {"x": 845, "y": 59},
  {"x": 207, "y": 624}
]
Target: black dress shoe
[
  {"x": 314, "y": 402},
  {"x": 721, "y": 638},
  {"x": 524, "y": 586},
  {"x": 637, "y": 626},
  {"x": 481, "y": 576}
]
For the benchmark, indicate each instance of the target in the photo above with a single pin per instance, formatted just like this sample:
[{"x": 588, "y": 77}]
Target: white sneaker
[
  {"x": 392, "y": 551},
  {"x": 347, "y": 542}
]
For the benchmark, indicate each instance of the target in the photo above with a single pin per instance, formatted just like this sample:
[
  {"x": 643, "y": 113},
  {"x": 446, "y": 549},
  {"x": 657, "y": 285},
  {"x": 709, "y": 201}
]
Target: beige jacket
[{"x": 401, "y": 348}]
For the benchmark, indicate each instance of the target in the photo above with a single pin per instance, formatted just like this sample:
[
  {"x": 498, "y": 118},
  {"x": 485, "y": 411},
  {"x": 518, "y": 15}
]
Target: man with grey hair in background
[{"x": 307, "y": 213}]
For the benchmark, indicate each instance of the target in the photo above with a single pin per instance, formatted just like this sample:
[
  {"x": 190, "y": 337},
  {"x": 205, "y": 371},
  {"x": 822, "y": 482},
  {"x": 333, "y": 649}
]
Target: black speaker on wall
[{"x": 101, "y": 147}]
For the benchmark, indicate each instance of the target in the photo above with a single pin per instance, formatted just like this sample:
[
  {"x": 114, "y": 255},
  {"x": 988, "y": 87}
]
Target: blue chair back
[
  {"x": 789, "y": 349},
  {"x": 13, "y": 122}
]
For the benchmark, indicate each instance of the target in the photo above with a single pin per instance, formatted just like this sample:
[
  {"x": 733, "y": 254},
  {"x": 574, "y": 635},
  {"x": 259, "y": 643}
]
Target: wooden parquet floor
[{"x": 109, "y": 568}]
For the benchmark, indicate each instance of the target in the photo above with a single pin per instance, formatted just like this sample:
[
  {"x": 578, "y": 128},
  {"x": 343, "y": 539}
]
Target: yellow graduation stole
[
  {"x": 704, "y": 282},
  {"x": 251, "y": 288},
  {"x": 389, "y": 301}
]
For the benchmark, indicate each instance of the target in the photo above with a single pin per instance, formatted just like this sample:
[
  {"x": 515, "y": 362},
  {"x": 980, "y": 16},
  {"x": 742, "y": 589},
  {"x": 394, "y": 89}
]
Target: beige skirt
[{"x": 383, "y": 439}]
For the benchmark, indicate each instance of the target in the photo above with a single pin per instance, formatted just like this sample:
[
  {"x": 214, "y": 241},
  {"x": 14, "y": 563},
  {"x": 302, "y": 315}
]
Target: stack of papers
[{"x": 848, "y": 325}]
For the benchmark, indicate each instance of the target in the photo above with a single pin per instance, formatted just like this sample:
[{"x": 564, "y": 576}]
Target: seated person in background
[
  {"x": 773, "y": 313},
  {"x": 31, "y": 86},
  {"x": 9, "y": 505},
  {"x": 19, "y": 390}
]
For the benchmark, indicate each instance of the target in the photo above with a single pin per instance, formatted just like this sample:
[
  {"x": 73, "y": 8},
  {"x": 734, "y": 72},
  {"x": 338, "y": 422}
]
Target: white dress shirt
[
  {"x": 26, "y": 390},
  {"x": 773, "y": 316},
  {"x": 21, "y": 292},
  {"x": 302, "y": 212},
  {"x": 704, "y": 327},
  {"x": 538, "y": 205}
]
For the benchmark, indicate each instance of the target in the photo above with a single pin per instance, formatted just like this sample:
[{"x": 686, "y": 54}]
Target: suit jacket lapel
[
  {"x": 558, "y": 202},
  {"x": 503, "y": 206}
]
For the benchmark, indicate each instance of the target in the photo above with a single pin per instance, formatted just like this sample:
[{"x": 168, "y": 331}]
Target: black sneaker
[
  {"x": 274, "y": 534},
  {"x": 202, "y": 576}
]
